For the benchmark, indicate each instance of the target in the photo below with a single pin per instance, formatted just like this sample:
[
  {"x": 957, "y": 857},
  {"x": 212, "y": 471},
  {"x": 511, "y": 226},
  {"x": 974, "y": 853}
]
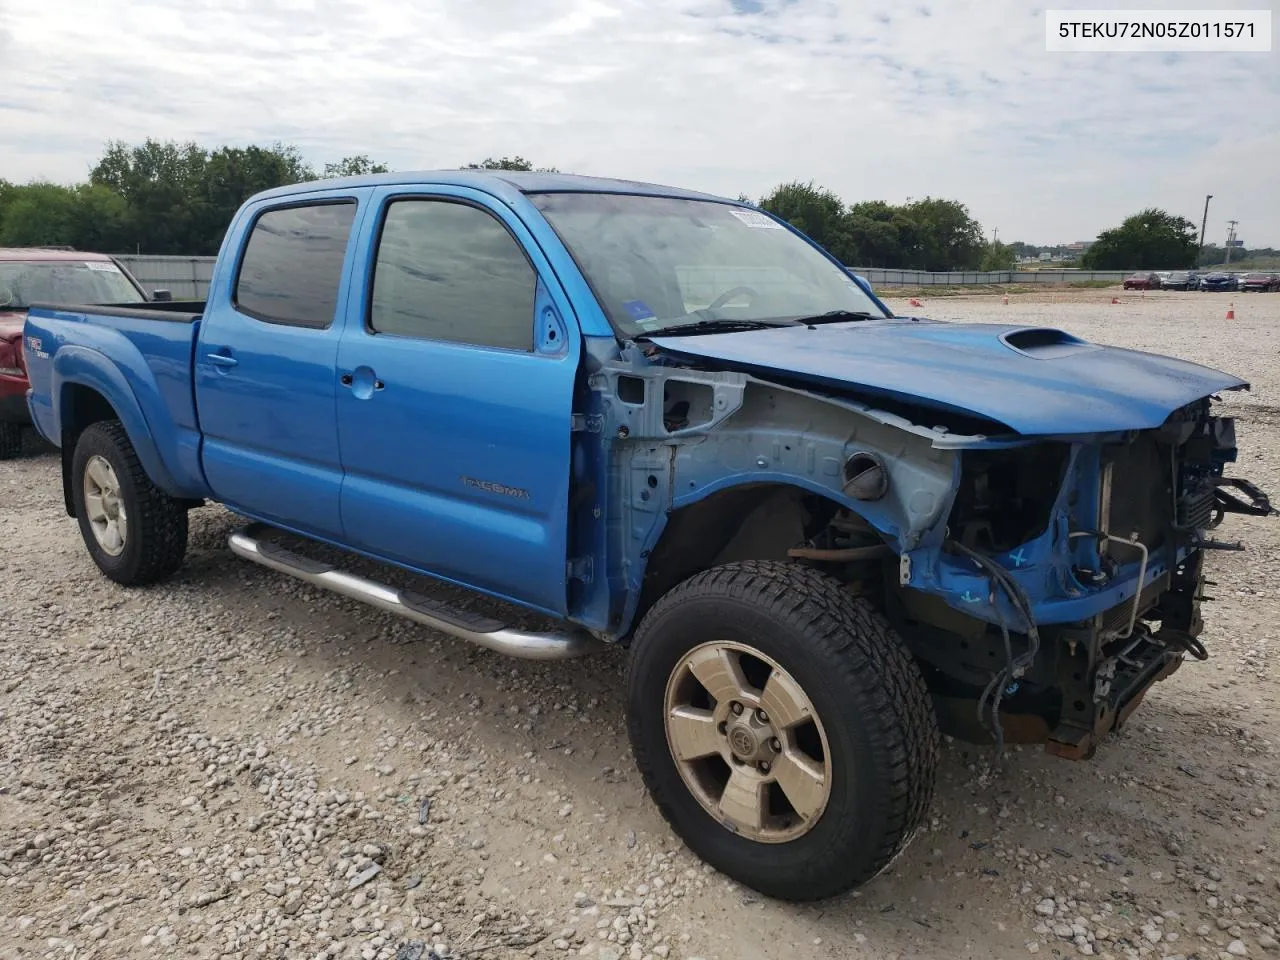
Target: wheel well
[
  {"x": 81, "y": 407},
  {"x": 759, "y": 521}
]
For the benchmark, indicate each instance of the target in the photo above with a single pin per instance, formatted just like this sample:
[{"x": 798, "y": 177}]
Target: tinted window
[
  {"x": 449, "y": 271},
  {"x": 293, "y": 264}
]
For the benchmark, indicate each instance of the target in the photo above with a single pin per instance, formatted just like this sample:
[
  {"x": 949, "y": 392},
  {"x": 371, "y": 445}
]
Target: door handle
[
  {"x": 348, "y": 379},
  {"x": 221, "y": 359}
]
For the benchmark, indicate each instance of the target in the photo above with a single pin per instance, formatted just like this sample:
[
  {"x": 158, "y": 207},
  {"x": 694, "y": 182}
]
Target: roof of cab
[
  {"x": 48, "y": 253},
  {"x": 499, "y": 182}
]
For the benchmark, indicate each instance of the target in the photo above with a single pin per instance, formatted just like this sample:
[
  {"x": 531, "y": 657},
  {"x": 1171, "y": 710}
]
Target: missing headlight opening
[{"x": 1005, "y": 496}]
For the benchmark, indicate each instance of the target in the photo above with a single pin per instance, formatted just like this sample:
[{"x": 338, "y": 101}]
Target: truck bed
[{"x": 138, "y": 355}]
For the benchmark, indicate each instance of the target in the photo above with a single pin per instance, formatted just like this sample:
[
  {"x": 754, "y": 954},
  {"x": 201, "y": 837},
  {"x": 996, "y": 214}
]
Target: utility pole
[
  {"x": 1203, "y": 222},
  {"x": 1231, "y": 237}
]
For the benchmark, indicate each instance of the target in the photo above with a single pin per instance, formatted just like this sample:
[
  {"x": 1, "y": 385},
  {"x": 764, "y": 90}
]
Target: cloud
[{"x": 876, "y": 102}]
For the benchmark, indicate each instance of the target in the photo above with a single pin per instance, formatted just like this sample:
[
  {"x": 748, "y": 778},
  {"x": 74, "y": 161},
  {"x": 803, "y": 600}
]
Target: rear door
[
  {"x": 456, "y": 396},
  {"x": 265, "y": 364}
]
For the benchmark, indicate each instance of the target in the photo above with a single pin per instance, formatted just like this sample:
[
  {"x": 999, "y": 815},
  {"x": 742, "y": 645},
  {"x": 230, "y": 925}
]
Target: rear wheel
[
  {"x": 10, "y": 440},
  {"x": 781, "y": 727},
  {"x": 135, "y": 532}
]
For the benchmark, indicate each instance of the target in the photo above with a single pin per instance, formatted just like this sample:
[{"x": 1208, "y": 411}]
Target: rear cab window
[{"x": 291, "y": 270}]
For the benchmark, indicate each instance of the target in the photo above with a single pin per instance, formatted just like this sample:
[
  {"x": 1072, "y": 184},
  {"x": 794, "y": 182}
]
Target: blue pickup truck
[{"x": 669, "y": 421}]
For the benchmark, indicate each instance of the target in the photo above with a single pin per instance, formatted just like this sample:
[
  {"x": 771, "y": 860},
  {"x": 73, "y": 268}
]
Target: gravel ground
[{"x": 233, "y": 764}]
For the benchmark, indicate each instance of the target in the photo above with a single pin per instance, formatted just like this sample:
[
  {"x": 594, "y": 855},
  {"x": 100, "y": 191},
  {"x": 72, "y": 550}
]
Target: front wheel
[
  {"x": 135, "y": 532},
  {"x": 781, "y": 727}
]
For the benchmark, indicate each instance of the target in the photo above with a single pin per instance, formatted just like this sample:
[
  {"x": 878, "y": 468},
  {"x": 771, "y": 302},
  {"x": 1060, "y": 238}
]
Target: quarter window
[
  {"x": 292, "y": 265},
  {"x": 451, "y": 271}
]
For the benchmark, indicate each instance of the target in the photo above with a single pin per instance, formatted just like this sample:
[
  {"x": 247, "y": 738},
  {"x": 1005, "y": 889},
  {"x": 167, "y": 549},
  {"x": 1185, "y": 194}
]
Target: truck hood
[{"x": 1033, "y": 380}]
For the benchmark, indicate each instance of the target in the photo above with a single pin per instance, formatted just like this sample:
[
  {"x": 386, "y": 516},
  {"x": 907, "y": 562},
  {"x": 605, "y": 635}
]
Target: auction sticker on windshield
[
  {"x": 101, "y": 266},
  {"x": 754, "y": 218}
]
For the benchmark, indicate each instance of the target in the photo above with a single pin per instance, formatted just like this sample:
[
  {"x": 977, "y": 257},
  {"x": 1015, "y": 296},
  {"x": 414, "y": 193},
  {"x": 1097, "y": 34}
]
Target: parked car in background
[
  {"x": 821, "y": 530},
  {"x": 1177, "y": 280},
  {"x": 1193, "y": 279},
  {"x": 1219, "y": 282},
  {"x": 50, "y": 275},
  {"x": 1144, "y": 280},
  {"x": 1260, "y": 282}
]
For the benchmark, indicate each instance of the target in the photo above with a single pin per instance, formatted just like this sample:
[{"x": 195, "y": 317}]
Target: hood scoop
[{"x": 1045, "y": 343}]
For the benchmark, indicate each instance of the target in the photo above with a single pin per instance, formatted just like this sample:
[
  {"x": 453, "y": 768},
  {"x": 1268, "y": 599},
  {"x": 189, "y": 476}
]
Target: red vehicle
[
  {"x": 47, "y": 275},
  {"x": 1260, "y": 282},
  {"x": 1142, "y": 281}
]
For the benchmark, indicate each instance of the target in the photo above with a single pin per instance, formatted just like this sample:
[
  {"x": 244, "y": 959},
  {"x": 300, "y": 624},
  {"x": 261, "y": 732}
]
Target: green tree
[
  {"x": 998, "y": 256},
  {"x": 949, "y": 239},
  {"x": 928, "y": 234},
  {"x": 813, "y": 210},
  {"x": 517, "y": 162},
  {"x": 39, "y": 215},
  {"x": 356, "y": 166},
  {"x": 884, "y": 236},
  {"x": 101, "y": 220},
  {"x": 7, "y": 192},
  {"x": 159, "y": 181},
  {"x": 1150, "y": 240},
  {"x": 182, "y": 197}
]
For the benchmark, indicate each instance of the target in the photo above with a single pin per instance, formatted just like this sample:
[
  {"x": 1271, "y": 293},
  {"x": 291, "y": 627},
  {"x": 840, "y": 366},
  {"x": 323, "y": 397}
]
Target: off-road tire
[
  {"x": 10, "y": 440},
  {"x": 156, "y": 541},
  {"x": 869, "y": 694}
]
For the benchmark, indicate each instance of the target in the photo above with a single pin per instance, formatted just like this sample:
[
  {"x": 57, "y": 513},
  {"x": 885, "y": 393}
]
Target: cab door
[
  {"x": 265, "y": 363},
  {"x": 456, "y": 394}
]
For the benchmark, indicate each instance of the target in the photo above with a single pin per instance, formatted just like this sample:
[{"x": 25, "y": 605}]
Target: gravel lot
[{"x": 235, "y": 765}]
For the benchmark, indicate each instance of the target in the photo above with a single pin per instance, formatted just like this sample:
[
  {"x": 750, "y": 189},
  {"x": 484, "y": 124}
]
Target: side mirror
[{"x": 162, "y": 296}]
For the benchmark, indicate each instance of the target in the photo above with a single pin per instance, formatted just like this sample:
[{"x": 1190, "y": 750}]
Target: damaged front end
[
  {"x": 1042, "y": 561},
  {"x": 1070, "y": 578}
]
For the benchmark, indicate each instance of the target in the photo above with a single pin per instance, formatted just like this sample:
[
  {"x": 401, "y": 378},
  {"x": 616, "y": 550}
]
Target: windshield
[
  {"x": 657, "y": 262},
  {"x": 24, "y": 282}
]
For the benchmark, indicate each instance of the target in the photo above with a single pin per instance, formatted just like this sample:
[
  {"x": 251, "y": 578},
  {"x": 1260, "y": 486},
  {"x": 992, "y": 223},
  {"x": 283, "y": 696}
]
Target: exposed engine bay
[
  {"x": 1142, "y": 510},
  {"x": 1043, "y": 583}
]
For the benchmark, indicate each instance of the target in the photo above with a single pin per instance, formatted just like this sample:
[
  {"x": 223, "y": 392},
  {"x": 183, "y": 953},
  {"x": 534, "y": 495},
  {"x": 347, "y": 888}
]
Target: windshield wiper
[
  {"x": 714, "y": 326},
  {"x": 839, "y": 316}
]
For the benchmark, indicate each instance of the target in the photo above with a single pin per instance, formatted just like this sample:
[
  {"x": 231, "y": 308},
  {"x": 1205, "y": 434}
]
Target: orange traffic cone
[
  {"x": 1231, "y": 311},
  {"x": 1115, "y": 299},
  {"x": 916, "y": 303},
  {"x": 1005, "y": 299}
]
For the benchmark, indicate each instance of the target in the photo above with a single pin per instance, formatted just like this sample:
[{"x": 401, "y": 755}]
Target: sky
[{"x": 874, "y": 100}]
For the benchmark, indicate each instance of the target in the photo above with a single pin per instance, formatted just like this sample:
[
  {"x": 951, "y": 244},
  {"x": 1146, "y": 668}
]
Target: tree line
[
  {"x": 156, "y": 197},
  {"x": 165, "y": 197},
  {"x": 928, "y": 234}
]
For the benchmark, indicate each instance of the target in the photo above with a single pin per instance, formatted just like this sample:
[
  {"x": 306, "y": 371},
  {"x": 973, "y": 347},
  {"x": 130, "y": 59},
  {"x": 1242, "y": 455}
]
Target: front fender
[{"x": 80, "y": 366}]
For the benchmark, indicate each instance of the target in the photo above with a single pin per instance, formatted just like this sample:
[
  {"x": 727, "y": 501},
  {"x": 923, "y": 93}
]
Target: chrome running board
[{"x": 476, "y": 628}]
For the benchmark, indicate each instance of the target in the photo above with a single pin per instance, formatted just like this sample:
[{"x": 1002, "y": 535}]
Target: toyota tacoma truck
[{"x": 672, "y": 422}]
